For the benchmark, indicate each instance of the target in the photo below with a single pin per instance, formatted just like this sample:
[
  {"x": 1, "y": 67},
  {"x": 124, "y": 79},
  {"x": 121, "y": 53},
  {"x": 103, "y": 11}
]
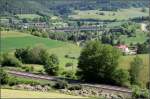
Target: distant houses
[{"x": 126, "y": 50}]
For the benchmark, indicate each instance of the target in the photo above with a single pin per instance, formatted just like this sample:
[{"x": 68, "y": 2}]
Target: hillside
[
  {"x": 12, "y": 39},
  {"x": 121, "y": 14},
  {"x": 63, "y": 7}
]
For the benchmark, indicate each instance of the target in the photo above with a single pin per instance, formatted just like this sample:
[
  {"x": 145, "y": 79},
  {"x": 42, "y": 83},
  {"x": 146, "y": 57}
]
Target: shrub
[
  {"x": 9, "y": 60},
  {"x": 28, "y": 69},
  {"x": 36, "y": 34},
  {"x": 61, "y": 84},
  {"x": 121, "y": 77},
  {"x": 69, "y": 74},
  {"x": 41, "y": 71},
  {"x": 69, "y": 64},
  {"x": 139, "y": 93},
  {"x": 12, "y": 81},
  {"x": 23, "y": 54},
  {"x": 66, "y": 56},
  {"x": 35, "y": 55},
  {"x": 45, "y": 35},
  {"x": 3, "y": 77},
  {"x": 52, "y": 65}
]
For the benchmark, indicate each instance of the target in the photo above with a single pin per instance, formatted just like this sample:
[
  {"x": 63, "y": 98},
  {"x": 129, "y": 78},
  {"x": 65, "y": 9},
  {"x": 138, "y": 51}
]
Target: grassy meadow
[
  {"x": 121, "y": 14},
  {"x": 28, "y": 16},
  {"x": 140, "y": 37},
  {"x": 8, "y": 93},
  {"x": 12, "y": 40}
]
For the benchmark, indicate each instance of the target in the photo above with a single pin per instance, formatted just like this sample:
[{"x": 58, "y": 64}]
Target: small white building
[
  {"x": 125, "y": 49},
  {"x": 143, "y": 27}
]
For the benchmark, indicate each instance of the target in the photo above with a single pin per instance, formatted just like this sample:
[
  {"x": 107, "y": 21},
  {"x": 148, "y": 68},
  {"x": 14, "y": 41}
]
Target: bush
[
  {"x": 52, "y": 65},
  {"x": 41, "y": 71},
  {"x": 9, "y": 60},
  {"x": 61, "y": 84},
  {"x": 36, "y": 34},
  {"x": 45, "y": 35},
  {"x": 66, "y": 56},
  {"x": 12, "y": 81},
  {"x": 29, "y": 69},
  {"x": 75, "y": 87},
  {"x": 121, "y": 77},
  {"x": 69, "y": 74},
  {"x": 35, "y": 55},
  {"x": 3, "y": 77},
  {"x": 139, "y": 93},
  {"x": 69, "y": 64}
]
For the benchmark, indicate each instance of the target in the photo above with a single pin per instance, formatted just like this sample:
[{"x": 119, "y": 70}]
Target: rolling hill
[{"x": 64, "y": 6}]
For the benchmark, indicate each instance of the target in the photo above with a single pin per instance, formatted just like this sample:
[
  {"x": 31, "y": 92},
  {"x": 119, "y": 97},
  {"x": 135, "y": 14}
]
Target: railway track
[{"x": 53, "y": 78}]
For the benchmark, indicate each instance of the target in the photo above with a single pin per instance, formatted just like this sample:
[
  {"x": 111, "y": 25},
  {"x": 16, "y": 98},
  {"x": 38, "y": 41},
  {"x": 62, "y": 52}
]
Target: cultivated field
[
  {"x": 7, "y": 93},
  {"x": 121, "y": 14}
]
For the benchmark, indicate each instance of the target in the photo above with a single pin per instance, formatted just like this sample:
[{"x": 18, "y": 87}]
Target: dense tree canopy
[{"x": 98, "y": 63}]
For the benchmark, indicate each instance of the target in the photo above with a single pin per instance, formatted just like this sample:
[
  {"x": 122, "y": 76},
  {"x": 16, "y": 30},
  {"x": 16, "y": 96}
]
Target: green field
[
  {"x": 10, "y": 43},
  {"x": 28, "y": 16},
  {"x": 141, "y": 37},
  {"x": 68, "y": 49},
  {"x": 12, "y": 40},
  {"x": 8, "y": 93},
  {"x": 109, "y": 15}
]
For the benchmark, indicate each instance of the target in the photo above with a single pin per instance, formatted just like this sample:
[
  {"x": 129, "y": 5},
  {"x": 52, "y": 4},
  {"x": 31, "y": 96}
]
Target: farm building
[{"x": 125, "y": 49}]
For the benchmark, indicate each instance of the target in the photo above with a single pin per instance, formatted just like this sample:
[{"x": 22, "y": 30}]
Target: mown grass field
[
  {"x": 8, "y": 93},
  {"x": 28, "y": 16},
  {"x": 11, "y": 41},
  {"x": 109, "y": 15}
]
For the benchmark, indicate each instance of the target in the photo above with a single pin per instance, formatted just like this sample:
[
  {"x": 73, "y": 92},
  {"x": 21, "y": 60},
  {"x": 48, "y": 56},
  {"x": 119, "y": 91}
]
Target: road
[
  {"x": 85, "y": 28},
  {"x": 53, "y": 78}
]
